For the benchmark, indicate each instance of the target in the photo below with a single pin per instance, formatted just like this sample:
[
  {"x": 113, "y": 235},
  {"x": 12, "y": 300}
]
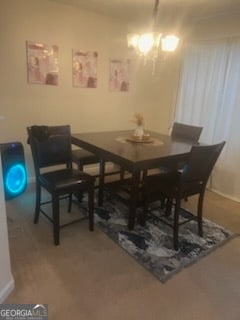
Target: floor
[{"x": 88, "y": 277}]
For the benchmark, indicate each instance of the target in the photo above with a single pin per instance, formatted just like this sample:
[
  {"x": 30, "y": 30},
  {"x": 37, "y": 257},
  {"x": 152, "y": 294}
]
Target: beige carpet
[{"x": 88, "y": 277}]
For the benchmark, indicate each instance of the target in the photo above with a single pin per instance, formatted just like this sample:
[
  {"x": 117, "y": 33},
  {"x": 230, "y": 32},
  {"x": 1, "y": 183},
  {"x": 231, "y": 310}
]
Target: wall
[
  {"x": 215, "y": 28},
  {"x": 23, "y": 104},
  {"x": 6, "y": 278}
]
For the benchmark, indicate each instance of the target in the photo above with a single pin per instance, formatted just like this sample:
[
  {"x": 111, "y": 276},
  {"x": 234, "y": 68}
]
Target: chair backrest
[
  {"x": 50, "y": 145},
  {"x": 186, "y": 132},
  {"x": 200, "y": 164}
]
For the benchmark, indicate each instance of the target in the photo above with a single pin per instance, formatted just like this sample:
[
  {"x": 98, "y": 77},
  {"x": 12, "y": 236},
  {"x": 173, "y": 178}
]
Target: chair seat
[
  {"x": 65, "y": 180},
  {"x": 167, "y": 184},
  {"x": 122, "y": 190},
  {"x": 164, "y": 184},
  {"x": 83, "y": 157}
]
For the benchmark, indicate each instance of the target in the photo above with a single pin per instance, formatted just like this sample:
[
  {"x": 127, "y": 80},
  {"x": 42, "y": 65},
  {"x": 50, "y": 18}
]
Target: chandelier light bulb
[
  {"x": 169, "y": 43},
  {"x": 133, "y": 40},
  {"x": 153, "y": 45},
  {"x": 145, "y": 43}
]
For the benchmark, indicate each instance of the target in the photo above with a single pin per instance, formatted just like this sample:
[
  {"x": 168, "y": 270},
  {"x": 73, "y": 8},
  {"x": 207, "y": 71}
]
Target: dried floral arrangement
[{"x": 138, "y": 119}]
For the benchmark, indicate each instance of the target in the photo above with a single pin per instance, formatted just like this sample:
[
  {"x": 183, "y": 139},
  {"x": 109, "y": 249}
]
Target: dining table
[{"x": 132, "y": 155}]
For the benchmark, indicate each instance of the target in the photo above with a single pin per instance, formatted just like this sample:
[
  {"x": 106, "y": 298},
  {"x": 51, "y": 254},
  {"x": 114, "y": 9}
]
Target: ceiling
[{"x": 138, "y": 11}]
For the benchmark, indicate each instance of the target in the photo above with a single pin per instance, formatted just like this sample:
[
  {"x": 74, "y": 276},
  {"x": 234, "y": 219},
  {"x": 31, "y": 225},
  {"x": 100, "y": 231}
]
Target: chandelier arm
[
  {"x": 150, "y": 44},
  {"x": 155, "y": 11}
]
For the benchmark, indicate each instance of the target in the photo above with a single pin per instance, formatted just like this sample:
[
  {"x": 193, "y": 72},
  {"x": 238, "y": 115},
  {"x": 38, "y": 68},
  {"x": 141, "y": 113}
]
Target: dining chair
[
  {"x": 190, "y": 133},
  {"x": 52, "y": 159},
  {"x": 183, "y": 132},
  {"x": 82, "y": 158},
  {"x": 177, "y": 185},
  {"x": 186, "y": 132}
]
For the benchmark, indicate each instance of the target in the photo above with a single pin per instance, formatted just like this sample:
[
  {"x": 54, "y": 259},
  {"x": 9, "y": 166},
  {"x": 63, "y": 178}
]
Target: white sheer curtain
[{"x": 209, "y": 95}]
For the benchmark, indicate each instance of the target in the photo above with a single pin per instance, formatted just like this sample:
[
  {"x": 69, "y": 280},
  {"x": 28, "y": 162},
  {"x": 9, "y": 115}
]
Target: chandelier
[{"x": 152, "y": 44}]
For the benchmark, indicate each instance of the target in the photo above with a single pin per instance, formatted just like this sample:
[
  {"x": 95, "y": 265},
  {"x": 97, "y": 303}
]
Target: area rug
[{"x": 152, "y": 245}]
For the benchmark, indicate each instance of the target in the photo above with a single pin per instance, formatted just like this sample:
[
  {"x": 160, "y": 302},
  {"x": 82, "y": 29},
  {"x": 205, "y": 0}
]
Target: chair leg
[
  {"x": 200, "y": 207},
  {"x": 168, "y": 206},
  {"x": 91, "y": 207},
  {"x": 146, "y": 201},
  {"x": 70, "y": 203},
  {"x": 37, "y": 205},
  {"x": 79, "y": 195},
  {"x": 55, "y": 210},
  {"x": 176, "y": 224},
  {"x": 122, "y": 172},
  {"x": 163, "y": 203},
  {"x": 80, "y": 167}
]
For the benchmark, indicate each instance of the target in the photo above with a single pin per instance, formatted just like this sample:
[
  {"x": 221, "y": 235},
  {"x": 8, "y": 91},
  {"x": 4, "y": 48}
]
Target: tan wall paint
[
  {"x": 23, "y": 104},
  {"x": 218, "y": 27}
]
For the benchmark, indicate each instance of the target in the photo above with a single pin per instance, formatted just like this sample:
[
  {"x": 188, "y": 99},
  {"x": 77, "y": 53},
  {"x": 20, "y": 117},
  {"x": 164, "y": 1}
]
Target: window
[{"x": 209, "y": 96}]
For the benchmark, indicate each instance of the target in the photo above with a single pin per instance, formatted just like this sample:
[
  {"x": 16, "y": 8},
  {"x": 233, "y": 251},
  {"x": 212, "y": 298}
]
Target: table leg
[
  {"x": 135, "y": 181},
  {"x": 101, "y": 182}
]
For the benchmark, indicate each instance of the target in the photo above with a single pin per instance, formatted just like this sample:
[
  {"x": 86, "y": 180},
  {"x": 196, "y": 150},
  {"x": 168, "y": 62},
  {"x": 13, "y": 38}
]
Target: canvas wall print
[
  {"x": 84, "y": 66},
  {"x": 42, "y": 63},
  {"x": 119, "y": 75}
]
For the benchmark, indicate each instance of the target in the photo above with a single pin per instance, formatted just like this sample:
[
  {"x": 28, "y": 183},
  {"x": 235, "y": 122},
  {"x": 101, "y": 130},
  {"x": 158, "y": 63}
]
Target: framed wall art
[
  {"x": 119, "y": 75},
  {"x": 84, "y": 68},
  {"x": 42, "y": 63}
]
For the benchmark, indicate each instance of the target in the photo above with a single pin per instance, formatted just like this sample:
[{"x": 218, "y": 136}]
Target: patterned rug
[{"x": 152, "y": 245}]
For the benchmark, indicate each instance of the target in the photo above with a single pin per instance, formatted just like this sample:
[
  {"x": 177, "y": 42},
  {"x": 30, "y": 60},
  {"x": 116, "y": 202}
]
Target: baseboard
[
  {"x": 5, "y": 292},
  {"x": 225, "y": 195},
  {"x": 31, "y": 179}
]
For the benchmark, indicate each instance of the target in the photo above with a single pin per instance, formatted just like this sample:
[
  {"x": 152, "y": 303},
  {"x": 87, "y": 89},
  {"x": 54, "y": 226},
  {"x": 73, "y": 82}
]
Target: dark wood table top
[{"x": 134, "y": 156}]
